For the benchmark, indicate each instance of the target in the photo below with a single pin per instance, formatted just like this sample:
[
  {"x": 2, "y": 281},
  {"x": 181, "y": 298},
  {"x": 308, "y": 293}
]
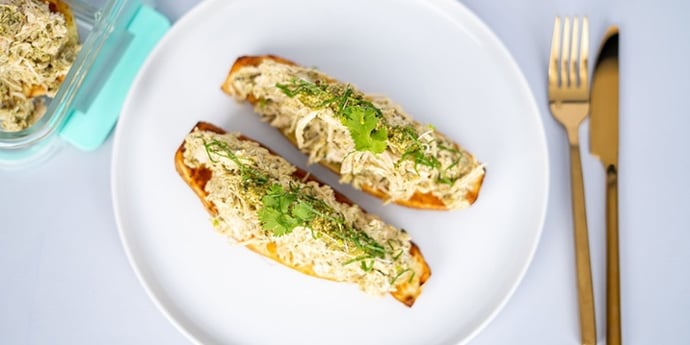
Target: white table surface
[{"x": 64, "y": 277}]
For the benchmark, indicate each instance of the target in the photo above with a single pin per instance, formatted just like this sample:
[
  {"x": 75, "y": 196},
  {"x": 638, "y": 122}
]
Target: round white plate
[{"x": 436, "y": 59}]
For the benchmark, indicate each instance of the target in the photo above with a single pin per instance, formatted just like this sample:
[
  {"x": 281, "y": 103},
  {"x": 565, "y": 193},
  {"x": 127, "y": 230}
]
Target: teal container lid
[{"x": 89, "y": 123}]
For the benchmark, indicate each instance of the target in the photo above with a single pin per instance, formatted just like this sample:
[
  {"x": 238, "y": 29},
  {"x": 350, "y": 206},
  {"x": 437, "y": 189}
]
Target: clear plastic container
[{"x": 116, "y": 37}]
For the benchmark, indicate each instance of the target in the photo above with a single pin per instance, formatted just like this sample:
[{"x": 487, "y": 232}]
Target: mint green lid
[{"x": 90, "y": 123}]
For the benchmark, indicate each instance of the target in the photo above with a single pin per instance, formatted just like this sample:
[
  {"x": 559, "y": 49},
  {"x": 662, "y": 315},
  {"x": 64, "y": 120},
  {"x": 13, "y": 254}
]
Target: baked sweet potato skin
[
  {"x": 196, "y": 178},
  {"x": 426, "y": 201}
]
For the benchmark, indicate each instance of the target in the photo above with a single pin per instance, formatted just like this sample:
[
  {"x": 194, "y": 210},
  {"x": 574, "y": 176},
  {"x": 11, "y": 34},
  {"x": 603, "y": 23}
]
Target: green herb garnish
[
  {"x": 285, "y": 209},
  {"x": 362, "y": 123},
  {"x": 400, "y": 273},
  {"x": 361, "y": 117},
  {"x": 415, "y": 150},
  {"x": 282, "y": 209},
  {"x": 367, "y": 128},
  {"x": 300, "y": 87},
  {"x": 249, "y": 174},
  {"x": 367, "y": 266},
  {"x": 281, "y": 212}
]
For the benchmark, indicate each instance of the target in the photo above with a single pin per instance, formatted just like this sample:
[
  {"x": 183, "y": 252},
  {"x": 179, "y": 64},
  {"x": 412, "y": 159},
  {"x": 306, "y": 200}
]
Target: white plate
[{"x": 435, "y": 58}]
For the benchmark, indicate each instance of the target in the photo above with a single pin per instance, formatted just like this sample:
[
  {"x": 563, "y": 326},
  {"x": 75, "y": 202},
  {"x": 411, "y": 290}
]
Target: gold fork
[{"x": 569, "y": 104}]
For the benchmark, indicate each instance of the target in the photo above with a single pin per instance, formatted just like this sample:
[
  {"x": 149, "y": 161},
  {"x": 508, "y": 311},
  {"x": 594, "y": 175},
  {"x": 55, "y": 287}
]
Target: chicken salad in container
[{"x": 63, "y": 64}]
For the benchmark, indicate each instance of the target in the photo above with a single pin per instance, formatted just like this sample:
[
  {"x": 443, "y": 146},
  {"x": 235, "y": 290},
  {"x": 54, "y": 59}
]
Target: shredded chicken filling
[
  {"x": 318, "y": 245},
  {"x": 37, "y": 49},
  {"x": 417, "y": 158}
]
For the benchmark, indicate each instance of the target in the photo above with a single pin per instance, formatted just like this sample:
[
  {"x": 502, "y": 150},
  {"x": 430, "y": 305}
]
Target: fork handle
[
  {"x": 585, "y": 294},
  {"x": 613, "y": 302}
]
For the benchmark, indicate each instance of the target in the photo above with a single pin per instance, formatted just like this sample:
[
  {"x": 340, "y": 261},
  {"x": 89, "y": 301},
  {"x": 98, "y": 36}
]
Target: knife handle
[
  {"x": 585, "y": 294},
  {"x": 613, "y": 304}
]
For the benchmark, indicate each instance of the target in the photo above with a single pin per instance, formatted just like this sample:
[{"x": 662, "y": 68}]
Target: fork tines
[{"x": 572, "y": 61}]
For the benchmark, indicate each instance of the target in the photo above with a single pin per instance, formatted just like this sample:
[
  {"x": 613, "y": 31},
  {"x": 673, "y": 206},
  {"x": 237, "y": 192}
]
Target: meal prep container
[{"x": 116, "y": 37}]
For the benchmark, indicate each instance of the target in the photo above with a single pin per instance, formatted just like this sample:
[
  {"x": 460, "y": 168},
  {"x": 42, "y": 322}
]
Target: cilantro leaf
[
  {"x": 303, "y": 212},
  {"x": 274, "y": 215},
  {"x": 362, "y": 121},
  {"x": 359, "y": 116},
  {"x": 272, "y": 220},
  {"x": 282, "y": 211},
  {"x": 272, "y": 197}
]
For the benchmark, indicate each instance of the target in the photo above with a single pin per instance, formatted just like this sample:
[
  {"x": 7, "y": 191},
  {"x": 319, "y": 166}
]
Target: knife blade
[{"x": 603, "y": 131}]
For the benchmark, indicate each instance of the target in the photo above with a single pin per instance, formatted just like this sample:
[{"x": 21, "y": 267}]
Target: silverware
[
  {"x": 603, "y": 143},
  {"x": 569, "y": 104}
]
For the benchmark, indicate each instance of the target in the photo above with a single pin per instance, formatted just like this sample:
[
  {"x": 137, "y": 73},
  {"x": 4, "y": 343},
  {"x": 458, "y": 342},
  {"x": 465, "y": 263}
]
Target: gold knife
[{"x": 603, "y": 132}]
